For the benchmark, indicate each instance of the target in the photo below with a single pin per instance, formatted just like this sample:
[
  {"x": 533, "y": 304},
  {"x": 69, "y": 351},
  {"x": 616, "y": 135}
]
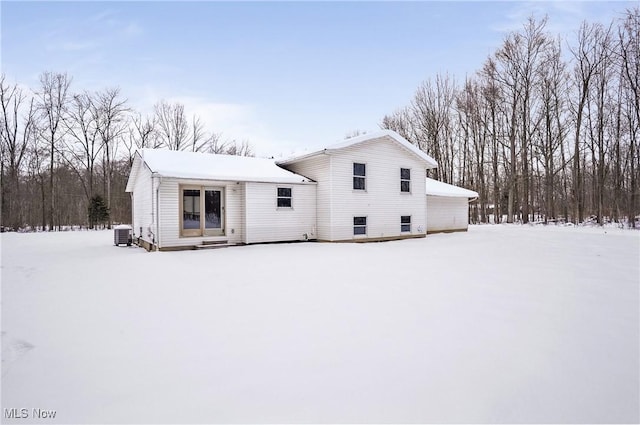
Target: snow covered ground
[{"x": 500, "y": 324}]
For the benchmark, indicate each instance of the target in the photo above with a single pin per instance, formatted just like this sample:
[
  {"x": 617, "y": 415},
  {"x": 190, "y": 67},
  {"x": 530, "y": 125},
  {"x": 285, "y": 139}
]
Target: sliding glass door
[{"x": 202, "y": 211}]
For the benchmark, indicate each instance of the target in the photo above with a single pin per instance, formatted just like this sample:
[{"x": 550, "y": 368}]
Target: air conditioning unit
[{"x": 122, "y": 234}]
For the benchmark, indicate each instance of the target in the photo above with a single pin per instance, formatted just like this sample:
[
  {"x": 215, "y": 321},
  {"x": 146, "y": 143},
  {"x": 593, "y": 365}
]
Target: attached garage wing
[{"x": 447, "y": 207}]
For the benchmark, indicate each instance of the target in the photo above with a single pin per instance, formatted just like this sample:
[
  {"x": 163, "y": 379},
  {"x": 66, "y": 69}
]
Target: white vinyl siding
[
  {"x": 323, "y": 209},
  {"x": 318, "y": 168},
  {"x": 266, "y": 222},
  {"x": 447, "y": 213},
  {"x": 170, "y": 212},
  {"x": 383, "y": 202},
  {"x": 251, "y": 214},
  {"x": 142, "y": 205}
]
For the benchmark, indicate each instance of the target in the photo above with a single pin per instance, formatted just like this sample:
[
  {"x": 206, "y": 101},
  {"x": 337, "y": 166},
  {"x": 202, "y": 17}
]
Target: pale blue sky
[{"x": 283, "y": 75}]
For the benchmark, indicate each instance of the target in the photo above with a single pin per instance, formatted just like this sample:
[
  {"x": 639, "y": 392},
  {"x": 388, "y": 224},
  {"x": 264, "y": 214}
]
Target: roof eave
[
  {"x": 448, "y": 195},
  {"x": 234, "y": 179},
  {"x": 303, "y": 157}
]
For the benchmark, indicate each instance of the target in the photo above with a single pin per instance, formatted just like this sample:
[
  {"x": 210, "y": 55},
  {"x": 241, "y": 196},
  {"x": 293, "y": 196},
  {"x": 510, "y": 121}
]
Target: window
[
  {"x": 359, "y": 176},
  {"x": 405, "y": 223},
  {"x": 359, "y": 225},
  {"x": 284, "y": 197},
  {"x": 405, "y": 180}
]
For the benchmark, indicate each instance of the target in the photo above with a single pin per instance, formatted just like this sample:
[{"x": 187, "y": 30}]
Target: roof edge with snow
[
  {"x": 431, "y": 163},
  {"x": 438, "y": 188},
  {"x": 207, "y": 166}
]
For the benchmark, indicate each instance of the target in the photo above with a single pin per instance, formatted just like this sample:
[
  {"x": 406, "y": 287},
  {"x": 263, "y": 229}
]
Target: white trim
[
  {"x": 354, "y": 176},
  {"x": 431, "y": 163},
  {"x": 202, "y": 231},
  {"x": 405, "y": 180},
  {"x": 410, "y": 224},
  {"x": 365, "y": 225},
  {"x": 290, "y": 197}
]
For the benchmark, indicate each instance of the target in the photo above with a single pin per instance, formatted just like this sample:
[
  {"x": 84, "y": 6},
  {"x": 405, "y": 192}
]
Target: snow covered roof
[
  {"x": 438, "y": 188},
  {"x": 431, "y": 163},
  {"x": 206, "y": 166}
]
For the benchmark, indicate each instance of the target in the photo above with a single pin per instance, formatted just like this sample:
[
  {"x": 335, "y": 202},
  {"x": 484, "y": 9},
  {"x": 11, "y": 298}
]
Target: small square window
[
  {"x": 405, "y": 223},
  {"x": 405, "y": 180},
  {"x": 359, "y": 176},
  {"x": 284, "y": 197},
  {"x": 359, "y": 225}
]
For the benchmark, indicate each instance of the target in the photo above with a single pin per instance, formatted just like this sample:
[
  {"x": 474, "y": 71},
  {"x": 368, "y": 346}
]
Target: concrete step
[
  {"x": 215, "y": 242},
  {"x": 213, "y": 245}
]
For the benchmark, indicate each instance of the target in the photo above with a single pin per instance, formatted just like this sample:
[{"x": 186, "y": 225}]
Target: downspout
[
  {"x": 159, "y": 180},
  {"x": 158, "y": 210},
  {"x": 154, "y": 221},
  {"x": 133, "y": 223}
]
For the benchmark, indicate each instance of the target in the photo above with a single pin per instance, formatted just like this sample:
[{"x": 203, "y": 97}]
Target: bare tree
[
  {"x": 37, "y": 175},
  {"x": 510, "y": 86},
  {"x": 587, "y": 56},
  {"x": 551, "y": 82},
  {"x": 599, "y": 112},
  {"x": 400, "y": 121},
  {"x": 52, "y": 104},
  {"x": 17, "y": 131},
  {"x": 141, "y": 133},
  {"x": 85, "y": 144},
  {"x": 473, "y": 115},
  {"x": 112, "y": 126},
  {"x": 173, "y": 126},
  {"x": 144, "y": 130},
  {"x": 432, "y": 107},
  {"x": 242, "y": 148},
  {"x": 492, "y": 97},
  {"x": 214, "y": 144},
  {"x": 629, "y": 48},
  {"x": 197, "y": 134}
]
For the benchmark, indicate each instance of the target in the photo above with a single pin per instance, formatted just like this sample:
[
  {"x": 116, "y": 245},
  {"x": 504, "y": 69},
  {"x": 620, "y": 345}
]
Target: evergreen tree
[{"x": 98, "y": 211}]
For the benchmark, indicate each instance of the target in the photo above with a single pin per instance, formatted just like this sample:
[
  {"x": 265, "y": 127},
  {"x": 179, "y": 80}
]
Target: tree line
[
  {"x": 64, "y": 153},
  {"x": 546, "y": 129}
]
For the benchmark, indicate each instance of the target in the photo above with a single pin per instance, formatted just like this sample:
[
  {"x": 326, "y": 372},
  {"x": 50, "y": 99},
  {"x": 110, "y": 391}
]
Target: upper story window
[
  {"x": 359, "y": 176},
  {"x": 405, "y": 180},
  {"x": 284, "y": 197}
]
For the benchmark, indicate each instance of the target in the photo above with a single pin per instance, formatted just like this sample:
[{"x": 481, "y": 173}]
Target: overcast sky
[{"x": 282, "y": 75}]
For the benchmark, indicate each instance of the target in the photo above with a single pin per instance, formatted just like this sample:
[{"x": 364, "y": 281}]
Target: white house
[
  {"x": 190, "y": 199},
  {"x": 370, "y": 187},
  {"x": 447, "y": 207}
]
